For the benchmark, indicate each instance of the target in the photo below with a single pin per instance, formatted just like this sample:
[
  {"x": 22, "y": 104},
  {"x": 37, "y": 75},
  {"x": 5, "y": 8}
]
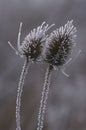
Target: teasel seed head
[
  {"x": 59, "y": 44},
  {"x": 33, "y": 43}
]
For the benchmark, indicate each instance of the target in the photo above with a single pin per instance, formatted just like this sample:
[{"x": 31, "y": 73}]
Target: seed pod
[
  {"x": 59, "y": 44},
  {"x": 33, "y": 43}
]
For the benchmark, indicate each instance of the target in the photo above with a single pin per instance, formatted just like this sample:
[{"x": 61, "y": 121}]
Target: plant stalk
[
  {"x": 44, "y": 98},
  {"x": 19, "y": 92}
]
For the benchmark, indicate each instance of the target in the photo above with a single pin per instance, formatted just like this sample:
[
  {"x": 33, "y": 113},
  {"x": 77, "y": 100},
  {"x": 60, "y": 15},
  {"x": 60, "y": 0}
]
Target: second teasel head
[{"x": 59, "y": 44}]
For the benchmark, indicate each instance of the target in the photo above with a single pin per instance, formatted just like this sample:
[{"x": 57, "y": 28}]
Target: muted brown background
[{"x": 66, "y": 109}]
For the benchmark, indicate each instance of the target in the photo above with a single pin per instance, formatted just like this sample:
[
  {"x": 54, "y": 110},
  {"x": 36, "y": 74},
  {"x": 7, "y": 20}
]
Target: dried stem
[
  {"x": 19, "y": 92},
  {"x": 44, "y": 97}
]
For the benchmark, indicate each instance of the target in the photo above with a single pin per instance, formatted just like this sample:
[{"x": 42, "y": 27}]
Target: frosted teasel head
[
  {"x": 33, "y": 43},
  {"x": 59, "y": 44}
]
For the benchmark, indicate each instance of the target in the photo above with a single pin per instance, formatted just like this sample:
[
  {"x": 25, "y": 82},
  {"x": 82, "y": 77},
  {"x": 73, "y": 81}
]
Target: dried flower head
[
  {"x": 59, "y": 44},
  {"x": 33, "y": 43}
]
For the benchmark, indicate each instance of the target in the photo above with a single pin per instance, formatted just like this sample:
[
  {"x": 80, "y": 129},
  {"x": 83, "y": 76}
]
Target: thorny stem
[
  {"x": 19, "y": 92},
  {"x": 44, "y": 97}
]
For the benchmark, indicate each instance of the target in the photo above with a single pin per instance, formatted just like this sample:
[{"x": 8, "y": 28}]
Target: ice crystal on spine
[
  {"x": 33, "y": 43},
  {"x": 59, "y": 44}
]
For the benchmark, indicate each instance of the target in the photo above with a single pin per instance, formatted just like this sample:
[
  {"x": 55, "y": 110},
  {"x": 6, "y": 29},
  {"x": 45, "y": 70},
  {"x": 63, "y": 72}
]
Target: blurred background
[{"x": 66, "y": 108}]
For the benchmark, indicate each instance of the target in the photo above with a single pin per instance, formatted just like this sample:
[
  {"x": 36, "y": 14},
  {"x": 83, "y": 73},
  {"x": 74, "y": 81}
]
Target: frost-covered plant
[
  {"x": 39, "y": 47},
  {"x": 56, "y": 52},
  {"x": 60, "y": 44},
  {"x": 31, "y": 49}
]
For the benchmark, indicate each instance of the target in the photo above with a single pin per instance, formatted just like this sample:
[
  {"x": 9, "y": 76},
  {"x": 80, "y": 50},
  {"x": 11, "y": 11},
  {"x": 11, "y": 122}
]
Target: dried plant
[
  {"x": 31, "y": 49},
  {"x": 56, "y": 51},
  {"x": 39, "y": 47}
]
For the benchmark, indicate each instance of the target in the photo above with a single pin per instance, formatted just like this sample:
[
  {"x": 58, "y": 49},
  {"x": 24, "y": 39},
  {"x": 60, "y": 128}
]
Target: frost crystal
[{"x": 59, "y": 44}]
